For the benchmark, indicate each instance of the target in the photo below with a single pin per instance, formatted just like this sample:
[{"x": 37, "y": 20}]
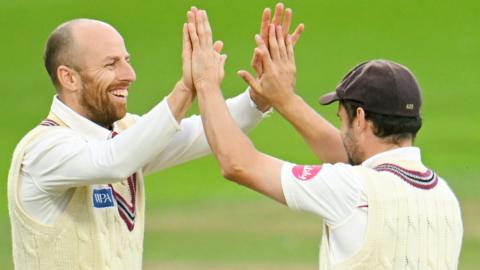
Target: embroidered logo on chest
[
  {"x": 305, "y": 173},
  {"x": 103, "y": 197}
]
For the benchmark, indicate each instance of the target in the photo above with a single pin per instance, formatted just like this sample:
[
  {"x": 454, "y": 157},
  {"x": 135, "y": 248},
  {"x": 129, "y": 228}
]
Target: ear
[
  {"x": 68, "y": 78},
  {"x": 361, "y": 122}
]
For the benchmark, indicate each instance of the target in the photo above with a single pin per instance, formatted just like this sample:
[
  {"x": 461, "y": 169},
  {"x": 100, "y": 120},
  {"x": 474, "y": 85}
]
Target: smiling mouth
[{"x": 121, "y": 93}]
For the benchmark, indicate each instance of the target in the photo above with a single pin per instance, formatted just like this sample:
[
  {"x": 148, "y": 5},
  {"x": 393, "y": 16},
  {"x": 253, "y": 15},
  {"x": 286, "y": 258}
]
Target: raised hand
[
  {"x": 187, "y": 79},
  {"x": 257, "y": 62},
  {"x": 207, "y": 62},
  {"x": 277, "y": 83},
  {"x": 277, "y": 20}
]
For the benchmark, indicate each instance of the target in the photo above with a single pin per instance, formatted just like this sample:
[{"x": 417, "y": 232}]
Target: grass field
[{"x": 197, "y": 220}]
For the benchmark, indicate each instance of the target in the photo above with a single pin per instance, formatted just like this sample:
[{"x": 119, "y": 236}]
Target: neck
[
  {"x": 74, "y": 104},
  {"x": 380, "y": 146}
]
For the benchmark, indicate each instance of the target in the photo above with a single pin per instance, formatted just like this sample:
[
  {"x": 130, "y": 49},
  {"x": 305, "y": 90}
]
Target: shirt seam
[
  {"x": 40, "y": 186},
  {"x": 170, "y": 115},
  {"x": 289, "y": 198}
]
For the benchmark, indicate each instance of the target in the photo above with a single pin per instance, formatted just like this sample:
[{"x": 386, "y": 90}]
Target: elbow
[
  {"x": 120, "y": 173},
  {"x": 232, "y": 170}
]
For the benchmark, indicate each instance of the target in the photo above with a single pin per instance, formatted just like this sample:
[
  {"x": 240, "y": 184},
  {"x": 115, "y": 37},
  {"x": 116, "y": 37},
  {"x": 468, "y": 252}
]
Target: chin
[{"x": 120, "y": 113}]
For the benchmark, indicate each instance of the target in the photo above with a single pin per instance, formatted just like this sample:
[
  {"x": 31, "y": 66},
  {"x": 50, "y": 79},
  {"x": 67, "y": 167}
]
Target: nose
[{"x": 126, "y": 72}]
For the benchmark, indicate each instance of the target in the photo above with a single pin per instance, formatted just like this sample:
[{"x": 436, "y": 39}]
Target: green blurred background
[{"x": 196, "y": 219}]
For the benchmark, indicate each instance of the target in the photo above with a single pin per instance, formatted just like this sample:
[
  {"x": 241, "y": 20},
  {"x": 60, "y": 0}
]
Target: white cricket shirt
[
  {"x": 85, "y": 154},
  {"x": 337, "y": 194}
]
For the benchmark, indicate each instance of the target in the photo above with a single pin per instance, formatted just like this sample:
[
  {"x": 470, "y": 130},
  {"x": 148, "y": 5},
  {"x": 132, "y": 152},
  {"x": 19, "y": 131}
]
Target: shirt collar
[
  {"x": 77, "y": 122},
  {"x": 402, "y": 153}
]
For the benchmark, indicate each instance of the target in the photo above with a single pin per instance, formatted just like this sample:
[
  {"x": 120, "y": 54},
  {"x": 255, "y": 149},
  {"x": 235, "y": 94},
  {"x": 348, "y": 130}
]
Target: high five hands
[
  {"x": 277, "y": 20},
  {"x": 273, "y": 59},
  {"x": 207, "y": 62}
]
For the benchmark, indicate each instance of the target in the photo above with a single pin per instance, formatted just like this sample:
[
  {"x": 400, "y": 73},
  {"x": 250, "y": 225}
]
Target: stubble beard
[{"x": 351, "y": 147}]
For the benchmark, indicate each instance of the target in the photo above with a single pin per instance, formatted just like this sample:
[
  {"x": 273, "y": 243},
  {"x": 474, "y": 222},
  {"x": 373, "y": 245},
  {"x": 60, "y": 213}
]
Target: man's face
[
  {"x": 105, "y": 74},
  {"x": 349, "y": 138}
]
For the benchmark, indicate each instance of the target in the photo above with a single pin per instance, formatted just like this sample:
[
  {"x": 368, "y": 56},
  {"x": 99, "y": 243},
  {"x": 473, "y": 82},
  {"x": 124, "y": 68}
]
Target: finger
[
  {"x": 191, "y": 16},
  {"x": 200, "y": 29},
  {"x": 277, "y": 17},
  {"x": 290, "y": 52},
  {"x": 218, "y": 46},
  {"x": 208, "y": 29},
  {"x": 192, "y": 19},
  {"x": 272, "y": 41},
  {"x": 297, "y": 33},
  {"x": 222, "y": 62},
  {"x": 249, "y": 79},
  {"x": 263, "y": 53},
  {"x": 193, "y": 35},
  {"x": 287, "y": 21},
  {"x": 265, "y": 23},
  {"x": 221, "y": 66},
  {"x": 257, "y": 63},
  {"x": 265, "y": 59},
  {"x": 187, "y": 45},
  {"x": 281, "y": 42}
]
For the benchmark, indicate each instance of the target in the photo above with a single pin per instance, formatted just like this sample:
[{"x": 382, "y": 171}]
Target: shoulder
[
  {"x": 43, "y": 138},
  {"x": 331, "y": 191},
  {"x": 340, "y": 179},
  {"x": 326, "y": 171}
]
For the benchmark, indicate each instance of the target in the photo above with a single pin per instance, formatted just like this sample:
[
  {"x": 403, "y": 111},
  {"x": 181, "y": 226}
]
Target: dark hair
[
  {"x": 58, "y": 50},
  {"x": 392, "y": 128}
]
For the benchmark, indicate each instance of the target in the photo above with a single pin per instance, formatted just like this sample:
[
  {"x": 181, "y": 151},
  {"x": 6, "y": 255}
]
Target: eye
[{"x": 110, "y": 65}]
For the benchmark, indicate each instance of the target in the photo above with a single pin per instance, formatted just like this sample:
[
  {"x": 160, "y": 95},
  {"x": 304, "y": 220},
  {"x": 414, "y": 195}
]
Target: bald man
[{"x": 75, "y": 186}]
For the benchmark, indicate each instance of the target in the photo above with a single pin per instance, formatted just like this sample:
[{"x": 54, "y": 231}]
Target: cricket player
[
  {"x": 382, "y": 207},
  {"x": 75, "y": 186}
]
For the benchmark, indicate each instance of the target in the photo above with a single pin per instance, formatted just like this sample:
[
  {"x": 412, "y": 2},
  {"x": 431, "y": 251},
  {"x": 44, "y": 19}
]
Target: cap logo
[{"x": 409, "y": 106}]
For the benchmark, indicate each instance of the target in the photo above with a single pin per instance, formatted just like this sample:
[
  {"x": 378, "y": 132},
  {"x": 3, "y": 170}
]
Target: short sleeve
[{"x": 330, "y": 191}]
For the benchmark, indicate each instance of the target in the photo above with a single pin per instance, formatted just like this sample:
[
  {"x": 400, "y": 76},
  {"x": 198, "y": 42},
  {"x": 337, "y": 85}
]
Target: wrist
[
  {"x": 287, "y": 103},
  {"x": 181, "y": 85},
  {"x": 203, "y": 85},
  {"x": 258, "y": 102},
  {"x": 183, "y": 89}
]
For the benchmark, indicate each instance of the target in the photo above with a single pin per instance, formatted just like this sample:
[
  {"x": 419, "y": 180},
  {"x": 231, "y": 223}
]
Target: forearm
[
  {"x": 191, "y": 143},
  {"x": 180, "y": 100},
  {"x": 230, "y": 146},
  {"x": 244, "y": 112},
  {"x": 238, "y": 158},
  {"x": 66, "y": 159},
  {"x": 322, "y": 137}
]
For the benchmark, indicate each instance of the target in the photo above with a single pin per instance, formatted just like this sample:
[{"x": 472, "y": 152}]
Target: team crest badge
[{"x": 306, "y": 172}]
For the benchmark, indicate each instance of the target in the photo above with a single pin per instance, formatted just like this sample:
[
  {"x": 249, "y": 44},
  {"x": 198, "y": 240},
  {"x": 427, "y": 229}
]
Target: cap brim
[{"x": 329, "y": 98}]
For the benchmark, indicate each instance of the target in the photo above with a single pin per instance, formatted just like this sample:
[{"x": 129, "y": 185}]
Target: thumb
[{"x": 249, "y": 79}]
